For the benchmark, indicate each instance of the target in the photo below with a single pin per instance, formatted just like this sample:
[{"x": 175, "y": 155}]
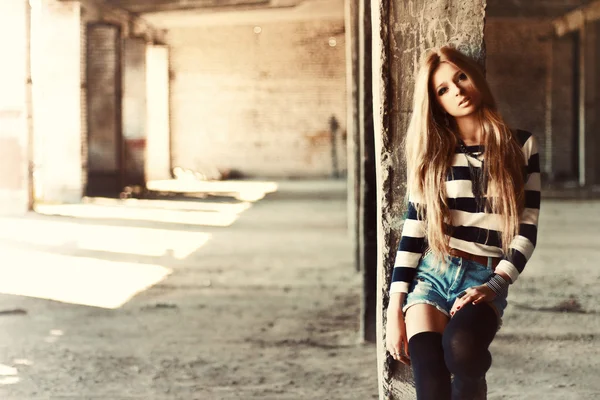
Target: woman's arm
[
  {"x": 395, "y": 331},
  {"x": 522, "y": 246},
  {"x": 409, "y": 252}
]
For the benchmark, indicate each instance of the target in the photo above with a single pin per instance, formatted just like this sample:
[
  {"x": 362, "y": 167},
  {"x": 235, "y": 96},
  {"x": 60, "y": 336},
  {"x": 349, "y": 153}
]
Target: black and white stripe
[{"x": 473, "y": 229}]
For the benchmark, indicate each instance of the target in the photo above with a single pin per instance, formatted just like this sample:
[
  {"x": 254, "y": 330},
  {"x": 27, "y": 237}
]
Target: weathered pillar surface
[
  {"x": 591, "y": 84},
  {"x": 352, "y": 133},
  {"x": 15, "y": 108},
  {"x": 402, "y": 30},
  {"x": 158, "y": 142},
  {"x": 104, "y": 134},
  {"x": 56, "y": 69},
  {"x": 368, "y": 184},
  {"x": 581, "y": 109},
  {"x": 134, "y": 110},
  {"x": 561, "y": 135}
]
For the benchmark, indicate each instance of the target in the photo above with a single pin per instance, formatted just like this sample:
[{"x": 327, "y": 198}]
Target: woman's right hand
[{"x": 395, "y": 333}]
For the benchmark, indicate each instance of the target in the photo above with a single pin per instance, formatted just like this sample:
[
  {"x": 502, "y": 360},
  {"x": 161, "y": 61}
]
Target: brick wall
[
  {"x": 258, "y": 98},
  {"x": 517, "y": 70}
]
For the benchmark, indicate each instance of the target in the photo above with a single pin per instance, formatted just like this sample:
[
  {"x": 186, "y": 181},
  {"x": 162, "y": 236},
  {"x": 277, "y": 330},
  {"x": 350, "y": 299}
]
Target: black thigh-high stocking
[
  {"x": 466, "y": 340},
  {"x": 432, "y": 379}
]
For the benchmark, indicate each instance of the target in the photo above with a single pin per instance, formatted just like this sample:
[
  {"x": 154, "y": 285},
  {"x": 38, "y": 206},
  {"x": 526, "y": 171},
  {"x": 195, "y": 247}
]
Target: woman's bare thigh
[{"x": 424, "y": 318}]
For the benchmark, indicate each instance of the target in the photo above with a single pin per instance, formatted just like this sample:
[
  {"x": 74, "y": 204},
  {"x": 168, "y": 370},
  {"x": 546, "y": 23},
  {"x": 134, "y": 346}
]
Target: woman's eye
[
  {"x": 462, "y": 77},
  {"x": 442, "y": 91}
]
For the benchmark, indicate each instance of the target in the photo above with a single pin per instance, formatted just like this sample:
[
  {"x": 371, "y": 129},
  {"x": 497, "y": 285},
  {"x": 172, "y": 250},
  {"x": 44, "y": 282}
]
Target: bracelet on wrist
[{"x": 498, "y": 284}]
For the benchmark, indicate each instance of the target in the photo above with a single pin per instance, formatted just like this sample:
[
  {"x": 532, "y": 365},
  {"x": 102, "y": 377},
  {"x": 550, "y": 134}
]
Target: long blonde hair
[{"x": 430, "y": 146}]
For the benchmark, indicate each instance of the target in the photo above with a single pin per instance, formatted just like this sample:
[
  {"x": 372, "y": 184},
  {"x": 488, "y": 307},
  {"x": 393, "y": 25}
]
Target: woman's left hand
[{"x": 475, "y": 295}]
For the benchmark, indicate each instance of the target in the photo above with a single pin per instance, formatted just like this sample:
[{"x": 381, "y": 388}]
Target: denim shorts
[{"x": 440, "y": 287}]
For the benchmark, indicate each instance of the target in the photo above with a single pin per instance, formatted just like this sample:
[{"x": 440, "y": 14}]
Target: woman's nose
[{"x": 457, "y": 90}]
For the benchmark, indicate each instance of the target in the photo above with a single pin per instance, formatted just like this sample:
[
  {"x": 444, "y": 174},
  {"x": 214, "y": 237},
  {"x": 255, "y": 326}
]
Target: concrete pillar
[
  {"x": 367, "y": 218},
  {"x": 134, "y": 110},
  {"x": 561, "y": 140},
  {"x": 104, "y": 121},
  {"x": 401, "y": 32},
  {"x": 352, "y": 121},
  {"x": 158, "y": 141},
  {"x": 56, "y": 71},
  {"x": 581, "y": 109},
  {"x": 15, "y": 108}
]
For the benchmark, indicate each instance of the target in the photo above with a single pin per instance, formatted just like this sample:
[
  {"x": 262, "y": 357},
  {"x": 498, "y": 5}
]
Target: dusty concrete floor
[
  {"x": 265, "y": 308},
  {"x": 549, "y": 347}
]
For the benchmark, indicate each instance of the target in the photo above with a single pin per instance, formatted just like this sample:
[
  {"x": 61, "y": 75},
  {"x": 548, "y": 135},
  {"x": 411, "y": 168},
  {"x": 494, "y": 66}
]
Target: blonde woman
[{"x": 473, "y": 204}]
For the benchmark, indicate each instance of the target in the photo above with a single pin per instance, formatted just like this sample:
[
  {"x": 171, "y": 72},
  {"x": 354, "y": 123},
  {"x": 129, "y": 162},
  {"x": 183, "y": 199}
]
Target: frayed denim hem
[{"x": 422, "y": 301}]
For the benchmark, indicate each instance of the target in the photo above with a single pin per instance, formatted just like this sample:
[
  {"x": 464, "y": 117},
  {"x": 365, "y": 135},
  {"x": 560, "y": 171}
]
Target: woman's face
[{"x": 454, "y": 91}]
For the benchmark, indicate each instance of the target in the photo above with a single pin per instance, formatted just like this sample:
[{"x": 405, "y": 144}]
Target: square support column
[
  {"x": 15, "y": 108},
  {"x": 590, "y": 85},
  {"x": 402, "y": 30},
  {"x": 134, "y": 111},
  {"x": 352, "y": 123},
  {"x": 57, "y": 83},
  {"x": 158, "y": 140},
  {"x": 367, "y": 216},
  {"x": 561, "y": 141}
]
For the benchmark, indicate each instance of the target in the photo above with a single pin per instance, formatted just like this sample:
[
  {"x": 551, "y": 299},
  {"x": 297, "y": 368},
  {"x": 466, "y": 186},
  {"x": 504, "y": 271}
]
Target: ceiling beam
[
  {"x": 153, "y": 6},
  {"x": 577, "y": 19},
  {"x": 531, "y": 8},
  {"x": 307, "y": 10}
]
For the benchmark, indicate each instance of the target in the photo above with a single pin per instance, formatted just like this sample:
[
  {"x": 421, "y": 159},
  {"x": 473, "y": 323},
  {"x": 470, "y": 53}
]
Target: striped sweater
[{"x": 474, "y": 230}]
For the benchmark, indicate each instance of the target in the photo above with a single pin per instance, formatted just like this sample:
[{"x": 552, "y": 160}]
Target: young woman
[{"x": 473, "y": 204}]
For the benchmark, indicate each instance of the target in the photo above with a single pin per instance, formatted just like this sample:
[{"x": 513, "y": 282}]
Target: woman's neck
[{"x": 469, "y": 129}]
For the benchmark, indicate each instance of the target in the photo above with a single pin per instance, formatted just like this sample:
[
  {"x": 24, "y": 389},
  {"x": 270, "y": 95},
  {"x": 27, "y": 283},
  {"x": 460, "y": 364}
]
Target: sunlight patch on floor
[
  {"x": 241, "y": 190},
  {"x": 96, "y": 211},
  {"x": 178, "y": 205},
  {"x": 142, "y": 241},
  {"x": 76, "y": 280},
  {"x": 8, "y": 375},
  {"x": 111, "y": 239}
]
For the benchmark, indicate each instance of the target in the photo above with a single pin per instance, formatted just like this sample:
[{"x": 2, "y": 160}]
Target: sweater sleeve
[
  {"x": 522, "y": 246},
  {"x": 409, "y": 252}
]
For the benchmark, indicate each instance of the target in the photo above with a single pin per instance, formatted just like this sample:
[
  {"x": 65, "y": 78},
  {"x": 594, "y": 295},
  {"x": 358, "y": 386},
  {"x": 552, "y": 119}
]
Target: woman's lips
[{"x": 465, "y": 103}]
